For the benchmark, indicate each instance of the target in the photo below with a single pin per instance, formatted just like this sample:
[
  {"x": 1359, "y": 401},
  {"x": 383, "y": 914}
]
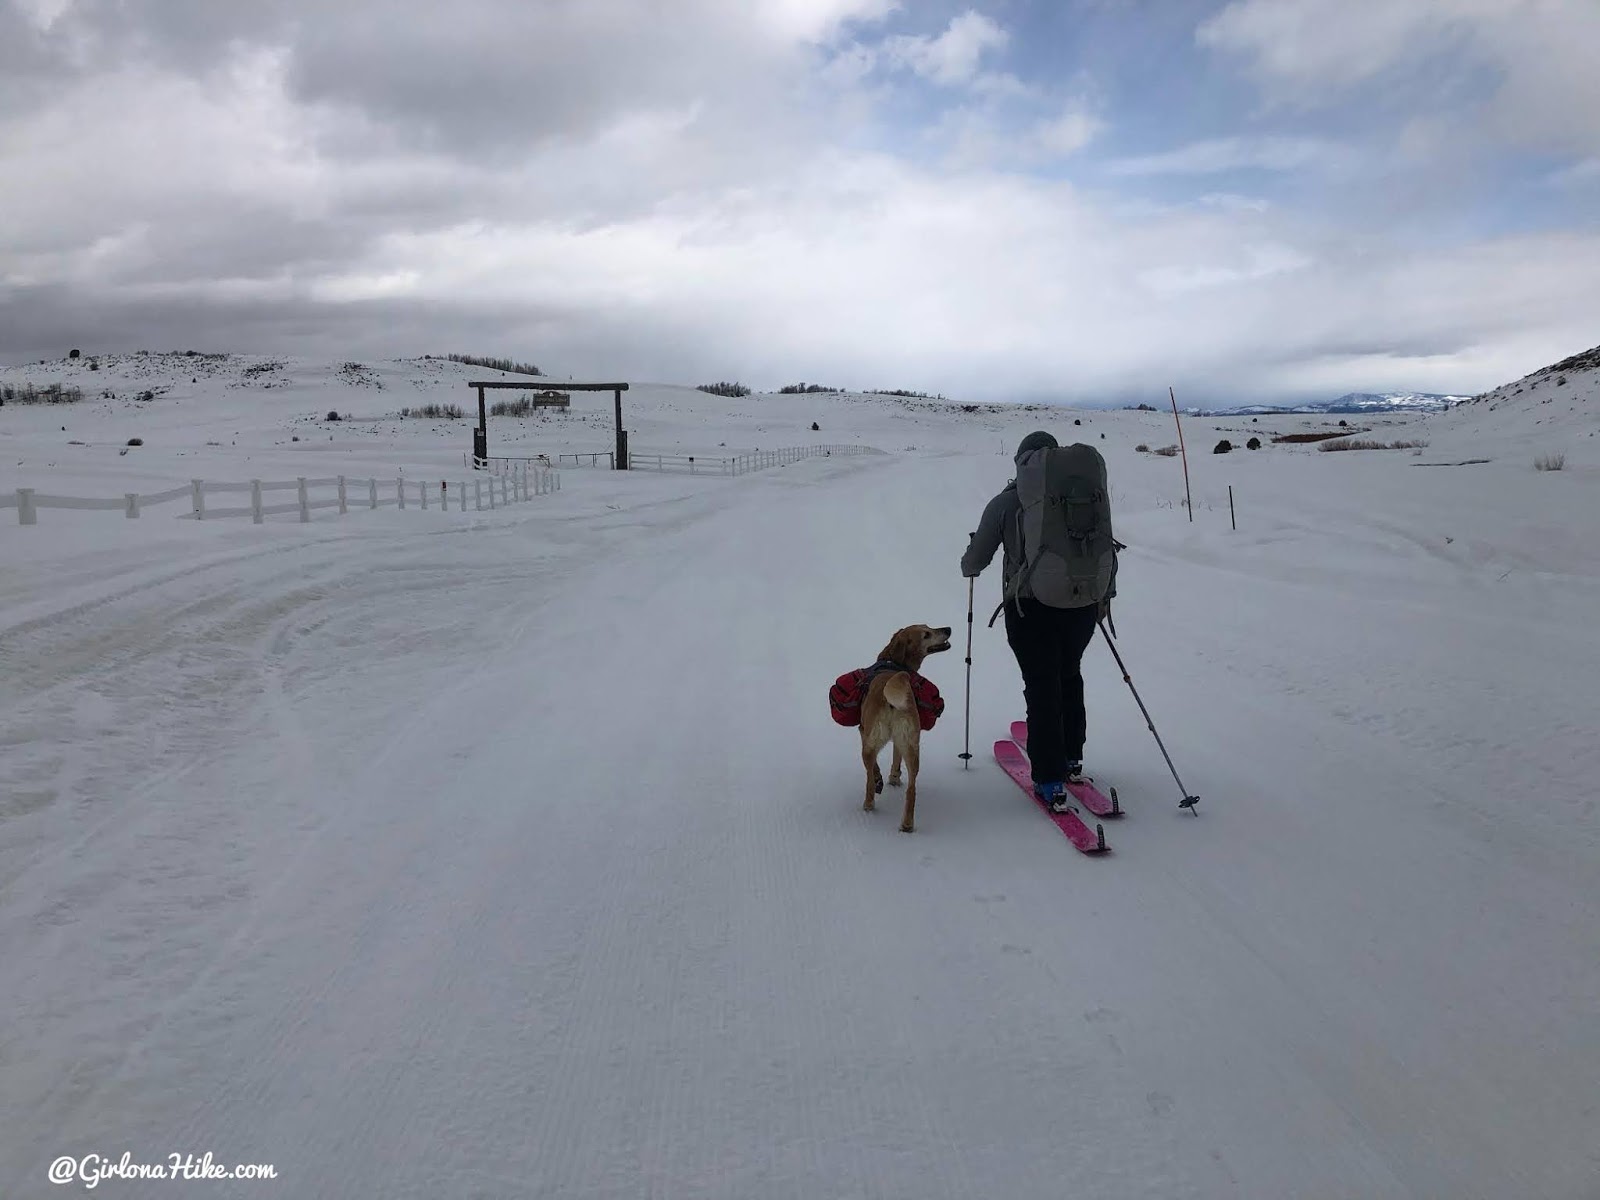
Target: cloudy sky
[{"x": 1004, "y": 199}]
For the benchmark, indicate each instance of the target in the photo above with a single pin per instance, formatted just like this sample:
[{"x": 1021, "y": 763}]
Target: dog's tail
[{"x": 897, "y": 691}]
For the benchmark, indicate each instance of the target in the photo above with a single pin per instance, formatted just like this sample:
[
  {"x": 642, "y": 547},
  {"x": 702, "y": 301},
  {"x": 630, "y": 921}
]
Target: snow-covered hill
[
  {"x": 1553, "y": 413},
  {"x": 514, "y": 853}
]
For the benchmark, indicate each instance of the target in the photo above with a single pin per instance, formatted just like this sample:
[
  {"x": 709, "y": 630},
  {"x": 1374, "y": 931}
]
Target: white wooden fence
[
  {"x": 502, "y": 465},
  {"x": 739, "y": 464},
  {"x": 639, "y": 460},
  {"x": 493, "y": 492}
]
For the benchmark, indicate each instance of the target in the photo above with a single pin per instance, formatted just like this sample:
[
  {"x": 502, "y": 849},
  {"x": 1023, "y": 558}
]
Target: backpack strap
[
  {"x": 1012, "y": 591},
  {"x": 1014, "y": 586}
]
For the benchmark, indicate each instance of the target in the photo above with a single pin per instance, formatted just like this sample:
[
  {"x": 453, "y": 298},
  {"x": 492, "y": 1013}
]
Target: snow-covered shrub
[{"x": 1369, "y": 444}]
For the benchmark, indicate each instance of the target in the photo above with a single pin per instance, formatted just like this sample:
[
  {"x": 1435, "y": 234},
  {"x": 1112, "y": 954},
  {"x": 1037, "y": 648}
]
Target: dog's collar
[{"x": 888, "y": 664}]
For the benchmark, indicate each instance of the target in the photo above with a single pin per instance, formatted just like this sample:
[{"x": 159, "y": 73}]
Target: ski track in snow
[{"x": 518, "y": 858}]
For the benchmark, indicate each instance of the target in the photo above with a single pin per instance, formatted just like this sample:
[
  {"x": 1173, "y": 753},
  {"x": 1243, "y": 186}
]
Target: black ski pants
[{"x": 1049, "y": 645}]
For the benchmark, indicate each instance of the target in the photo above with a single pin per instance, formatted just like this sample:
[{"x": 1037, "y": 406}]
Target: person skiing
[{"x": 1059, "y": 575}]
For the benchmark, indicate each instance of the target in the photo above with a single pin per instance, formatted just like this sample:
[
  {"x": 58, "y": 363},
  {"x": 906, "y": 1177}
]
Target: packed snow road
[{"x": 522, "y": 860}]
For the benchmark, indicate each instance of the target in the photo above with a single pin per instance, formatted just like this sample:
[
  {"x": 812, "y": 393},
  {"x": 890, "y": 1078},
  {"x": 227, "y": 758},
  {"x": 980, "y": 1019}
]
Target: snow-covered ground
[{"x": 513, "y": 853}]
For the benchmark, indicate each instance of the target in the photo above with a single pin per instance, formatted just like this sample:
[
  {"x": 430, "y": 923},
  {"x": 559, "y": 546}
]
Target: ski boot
[{"x": 1055, "y": 797}]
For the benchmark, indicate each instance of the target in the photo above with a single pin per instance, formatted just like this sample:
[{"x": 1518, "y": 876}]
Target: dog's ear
[
  {"x": 905, "y": 641},
  {"x": 910, "y": 646}
]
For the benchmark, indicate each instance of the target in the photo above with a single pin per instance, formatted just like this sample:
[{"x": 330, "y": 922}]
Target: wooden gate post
[
  {"x": 622, "y": 434},
  {"x": 480, "y": 436}
]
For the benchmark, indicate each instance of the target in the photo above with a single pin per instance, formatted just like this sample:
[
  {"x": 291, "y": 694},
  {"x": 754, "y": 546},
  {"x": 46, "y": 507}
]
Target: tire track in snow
[
  {"x": 204, "y": 983},
  {"x": 1353, "y": 919},
  {"x": 125, "y": 826}
]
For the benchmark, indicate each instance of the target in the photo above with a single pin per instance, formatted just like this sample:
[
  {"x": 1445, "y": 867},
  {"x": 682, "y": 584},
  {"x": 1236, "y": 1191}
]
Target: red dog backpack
[{"x": 847, "y": 692}]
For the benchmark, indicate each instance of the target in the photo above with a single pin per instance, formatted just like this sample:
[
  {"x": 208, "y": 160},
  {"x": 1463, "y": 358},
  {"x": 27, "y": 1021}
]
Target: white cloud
[
  {"x": 984, "y": 137},
  {"x": 869, "y": 270},
  {"x": 817, "y": 20},
  {"x": 1229, "y": 154},
  {"x": 1546, "y": 92},
  {"x": 1330, "y": 43},
  {"x": 952, "y": 57},
  {"x": 1251, "y": 263},
  {"x": 1232, "y": 202},
  {"x": 1067, "y": 133},
  {"x": 994, "y": 120},
  {"x": 850, "y": 67},
  {"x": 43, "y": 13},
  {"x": 132, "y": 148},
  {"x": 1584, "y": 172}
]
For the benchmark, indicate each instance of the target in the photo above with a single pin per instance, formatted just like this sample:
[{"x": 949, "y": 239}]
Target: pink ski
[
  {"x": 1015, "y": 763},
  {"x": 1086, "y": 793}
]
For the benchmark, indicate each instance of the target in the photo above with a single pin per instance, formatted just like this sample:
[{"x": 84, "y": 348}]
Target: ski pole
[
  {"x": 1188, "y": 800},
  {"x": 966, "y": 745}
]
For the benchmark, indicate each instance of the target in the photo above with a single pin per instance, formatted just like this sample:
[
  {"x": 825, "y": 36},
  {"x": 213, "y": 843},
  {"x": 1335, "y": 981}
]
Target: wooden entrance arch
[{"x": 553, "y": 398}]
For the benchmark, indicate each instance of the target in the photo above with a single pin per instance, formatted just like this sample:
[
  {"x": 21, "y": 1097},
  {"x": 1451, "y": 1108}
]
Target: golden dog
[{"x": 889, "y": 714}]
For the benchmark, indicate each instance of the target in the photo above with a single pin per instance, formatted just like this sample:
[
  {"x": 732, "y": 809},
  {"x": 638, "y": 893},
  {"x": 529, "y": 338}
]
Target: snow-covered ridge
[
  {"x": 1579, "y": 372},
  {"x": 1551, "y": 413},
  {"x": 1586, "y": 361}
]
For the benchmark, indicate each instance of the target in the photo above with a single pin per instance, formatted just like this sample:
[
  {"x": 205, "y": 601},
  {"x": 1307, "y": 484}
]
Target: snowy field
[{"x": 514, "y": 854}]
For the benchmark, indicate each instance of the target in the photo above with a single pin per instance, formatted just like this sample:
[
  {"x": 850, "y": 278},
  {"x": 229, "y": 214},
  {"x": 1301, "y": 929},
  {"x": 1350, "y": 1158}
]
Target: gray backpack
[{"x": 1068, "y": 550}]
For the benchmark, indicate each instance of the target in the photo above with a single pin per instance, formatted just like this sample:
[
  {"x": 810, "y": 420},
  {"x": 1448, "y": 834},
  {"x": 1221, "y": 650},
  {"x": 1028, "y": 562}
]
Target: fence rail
[
  {"x": 639, "y": 460},
  {"x": 499, "y": 464},
  {"x": 593, "y": 457},
  {"x": 504, "y": 488},
  {"x": 741, "y": 464}
]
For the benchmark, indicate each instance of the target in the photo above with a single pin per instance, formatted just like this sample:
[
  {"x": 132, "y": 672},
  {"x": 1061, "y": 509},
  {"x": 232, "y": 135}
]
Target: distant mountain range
[{"x": 1350, "y": 402}]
